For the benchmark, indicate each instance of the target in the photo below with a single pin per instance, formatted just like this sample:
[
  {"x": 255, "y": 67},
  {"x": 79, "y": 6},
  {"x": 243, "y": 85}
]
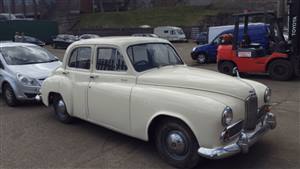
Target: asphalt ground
[{"x": 31, "y": 137}]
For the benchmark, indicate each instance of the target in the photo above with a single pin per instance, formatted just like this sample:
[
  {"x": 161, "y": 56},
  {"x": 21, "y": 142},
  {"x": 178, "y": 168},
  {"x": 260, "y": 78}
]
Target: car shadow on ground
[{"x": 113, "y": 141}]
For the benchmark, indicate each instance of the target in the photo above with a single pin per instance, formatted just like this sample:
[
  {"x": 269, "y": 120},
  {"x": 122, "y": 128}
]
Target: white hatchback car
[{"x": 141, "y": 87}]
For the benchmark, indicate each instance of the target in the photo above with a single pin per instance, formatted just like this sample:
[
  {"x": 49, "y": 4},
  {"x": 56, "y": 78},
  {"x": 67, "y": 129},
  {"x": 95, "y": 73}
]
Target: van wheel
[
  {"x": 9, "y": 96},
  {"x": 202, "y": 58},
  {"x": 177, "y": 145},
  {"x": 226, "y": 68},
  {"x": 281, "y": 70},
  {"x": 60, "y": 110}
]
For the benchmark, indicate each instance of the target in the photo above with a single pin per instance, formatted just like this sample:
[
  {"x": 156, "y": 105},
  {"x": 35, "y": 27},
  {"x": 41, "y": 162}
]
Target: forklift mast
[
  {"x": 294, "y": 33},
  {"x": 294, "y": 26}
]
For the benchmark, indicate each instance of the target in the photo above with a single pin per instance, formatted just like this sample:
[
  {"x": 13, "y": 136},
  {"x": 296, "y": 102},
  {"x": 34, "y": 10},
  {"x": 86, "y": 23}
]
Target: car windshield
[
  {"x": 148, "y": 56},
  {"x": 23, "y": 55}
]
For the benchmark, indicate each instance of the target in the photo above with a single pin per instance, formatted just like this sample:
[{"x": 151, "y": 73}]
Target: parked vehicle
[
  {"x": 208, "y": 52},
  {"x": 145, "y": 35},
  {"x": 20, "y": 16},
  {"x": 280, "y": 59},
  {"x": 170, "y": 33},
  {"x": 23, "y": 68},
  {"x": 63, "y": 41},
  {"x": 201, "y": 38},
  {"x": 88, "y": 36},
  {"x": 141, "y": 87},
  {"x": 7, "y": 17},
  {"x": 29, "y": 39}
]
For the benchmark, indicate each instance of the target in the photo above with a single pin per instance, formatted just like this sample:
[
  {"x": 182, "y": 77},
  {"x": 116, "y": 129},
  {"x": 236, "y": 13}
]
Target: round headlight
[
  {"x": 227, "y": 116},
  {"x": 268, "y": 94},
  {"x": 27, "y": 81}
]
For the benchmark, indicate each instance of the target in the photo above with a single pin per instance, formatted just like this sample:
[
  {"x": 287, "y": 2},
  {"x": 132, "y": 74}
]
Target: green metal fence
[{"x": 43, "y": 30}]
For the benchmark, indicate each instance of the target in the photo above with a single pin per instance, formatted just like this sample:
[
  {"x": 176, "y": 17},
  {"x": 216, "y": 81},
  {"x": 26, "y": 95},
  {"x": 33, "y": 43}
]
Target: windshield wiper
[{"x": 49, "y": 61}]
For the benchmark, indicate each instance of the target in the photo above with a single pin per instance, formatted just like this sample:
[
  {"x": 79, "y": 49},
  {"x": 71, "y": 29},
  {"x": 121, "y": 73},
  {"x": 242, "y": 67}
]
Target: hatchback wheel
[
  {"x": 177, "y": 145},
  {"x": 9, "y": 96},
  {"x": 60, "y": 110}
]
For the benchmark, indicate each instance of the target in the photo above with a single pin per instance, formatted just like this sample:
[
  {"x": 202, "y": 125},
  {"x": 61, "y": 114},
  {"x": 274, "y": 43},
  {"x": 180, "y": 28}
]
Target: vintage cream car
[{"x": 140, "y": 87}]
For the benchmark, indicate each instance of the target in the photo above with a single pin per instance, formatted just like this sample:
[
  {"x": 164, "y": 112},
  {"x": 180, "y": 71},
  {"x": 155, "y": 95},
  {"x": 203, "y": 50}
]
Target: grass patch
[{"x": 175, "y": 16}]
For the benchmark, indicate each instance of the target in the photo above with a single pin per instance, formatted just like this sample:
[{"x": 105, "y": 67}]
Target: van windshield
[
  {"x": 180, "y": 32},
  {"x": 154, "y": 55}
]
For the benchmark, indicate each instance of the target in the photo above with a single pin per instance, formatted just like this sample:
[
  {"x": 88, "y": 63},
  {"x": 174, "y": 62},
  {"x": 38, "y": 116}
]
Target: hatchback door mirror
[{"x": 1, "y": 65}]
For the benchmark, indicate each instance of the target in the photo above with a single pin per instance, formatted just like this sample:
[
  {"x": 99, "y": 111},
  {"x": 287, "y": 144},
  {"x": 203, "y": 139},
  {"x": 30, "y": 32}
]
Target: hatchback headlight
[
  {"x": 27, "y": 81},
  {"x": 267, "y": 96},
  {"x": 227, "y": 116}
]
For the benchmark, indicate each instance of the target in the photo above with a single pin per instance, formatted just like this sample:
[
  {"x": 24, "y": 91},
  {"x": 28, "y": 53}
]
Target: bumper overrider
[{"x": 244, "y": 141}]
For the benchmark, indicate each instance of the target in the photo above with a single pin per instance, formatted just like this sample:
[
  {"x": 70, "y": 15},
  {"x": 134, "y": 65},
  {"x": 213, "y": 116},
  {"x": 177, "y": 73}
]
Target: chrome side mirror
[{"x": 236, "y": 72}]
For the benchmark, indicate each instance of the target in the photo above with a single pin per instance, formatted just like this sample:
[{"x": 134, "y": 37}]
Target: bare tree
[
  {"x": 24, "y": 7},
  {"x": 35, "y": 8},
  {"x": 101, "y": 6},
  {"x": 2, "y": 6}
]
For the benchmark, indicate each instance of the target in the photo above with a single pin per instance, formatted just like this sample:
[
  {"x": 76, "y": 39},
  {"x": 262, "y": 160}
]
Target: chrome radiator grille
[{"x": 251, "y": 112}]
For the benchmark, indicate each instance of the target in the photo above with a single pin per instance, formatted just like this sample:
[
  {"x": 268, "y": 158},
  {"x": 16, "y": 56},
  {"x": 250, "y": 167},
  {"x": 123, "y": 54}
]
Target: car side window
[
  {"x": 110, "y": 59},
  {"x": 166, "y": 31},
  {"x": 80, "y": 58}
]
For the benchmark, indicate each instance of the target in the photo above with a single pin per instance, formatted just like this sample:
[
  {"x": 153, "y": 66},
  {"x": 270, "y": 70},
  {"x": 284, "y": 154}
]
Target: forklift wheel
[
  {"x": 281, "y": 70},
  {"x": 226, "y": 68}
]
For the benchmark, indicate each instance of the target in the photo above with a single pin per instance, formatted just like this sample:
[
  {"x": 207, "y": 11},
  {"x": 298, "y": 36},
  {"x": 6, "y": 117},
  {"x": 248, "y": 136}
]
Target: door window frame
[
  {"x": 109, "y": 71},
  {"x": 80, "y": 69}
]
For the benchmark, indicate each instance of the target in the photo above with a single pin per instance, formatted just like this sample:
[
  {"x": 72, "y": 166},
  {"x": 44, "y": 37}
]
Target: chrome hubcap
[
  {"x": 201, "y": 58},
  {"x": 61, "y": 108},
  {"x": 176, "y": 143}
]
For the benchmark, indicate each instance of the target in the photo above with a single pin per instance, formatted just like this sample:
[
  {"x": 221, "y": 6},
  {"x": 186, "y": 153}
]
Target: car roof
[
  {"x": 120, "y": 41},
  {"x": 13, "y": 44}
]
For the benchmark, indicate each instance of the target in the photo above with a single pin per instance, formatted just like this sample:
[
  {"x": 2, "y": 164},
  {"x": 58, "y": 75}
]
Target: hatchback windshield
[
  {"x": 22, "y": 55},
  {"x": 148, "y": 56}
]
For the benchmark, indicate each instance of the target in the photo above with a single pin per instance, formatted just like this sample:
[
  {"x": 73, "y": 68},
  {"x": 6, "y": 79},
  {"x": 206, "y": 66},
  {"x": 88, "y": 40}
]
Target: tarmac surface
[{"x": 31, "y": 137}]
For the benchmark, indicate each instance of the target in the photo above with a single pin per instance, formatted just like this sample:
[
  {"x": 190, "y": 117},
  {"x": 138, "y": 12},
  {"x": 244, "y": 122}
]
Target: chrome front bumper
[{"x": 245, "y": 140}]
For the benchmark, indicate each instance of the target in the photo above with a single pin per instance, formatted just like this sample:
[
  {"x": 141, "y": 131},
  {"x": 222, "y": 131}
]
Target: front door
[
  {"x": 78, "y": 72},
  {"x": 109, "y": 90}
]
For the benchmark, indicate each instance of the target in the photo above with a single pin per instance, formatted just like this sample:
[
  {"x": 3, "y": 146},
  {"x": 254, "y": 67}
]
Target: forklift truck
[{"x": 281, "y": 59}]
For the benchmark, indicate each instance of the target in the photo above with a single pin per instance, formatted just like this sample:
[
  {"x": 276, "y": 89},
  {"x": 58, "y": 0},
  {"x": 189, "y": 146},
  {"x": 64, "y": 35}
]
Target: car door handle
[
  {"x": 124, "y": 80},
  {"x": 65, "y": 72},
  {"x": 94, "y": 76}
]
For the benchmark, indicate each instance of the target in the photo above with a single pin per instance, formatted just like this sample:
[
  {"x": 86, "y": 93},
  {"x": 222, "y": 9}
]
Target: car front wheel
[
  {"x": 60, "y": 110},
  {"x": 9, "y": 96},
  {"x": 177, "y": 144},
  {"x": 202, "y": 58}
]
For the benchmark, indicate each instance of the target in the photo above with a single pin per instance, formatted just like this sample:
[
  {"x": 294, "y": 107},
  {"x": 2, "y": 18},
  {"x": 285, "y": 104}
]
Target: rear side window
[
  {"x": 110, "y": 59},
  {"x": 80, "y": 58}
]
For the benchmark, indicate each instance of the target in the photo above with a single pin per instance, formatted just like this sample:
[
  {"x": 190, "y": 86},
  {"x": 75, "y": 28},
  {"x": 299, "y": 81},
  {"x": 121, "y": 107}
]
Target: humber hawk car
[{"x": 140, "y": 87}]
